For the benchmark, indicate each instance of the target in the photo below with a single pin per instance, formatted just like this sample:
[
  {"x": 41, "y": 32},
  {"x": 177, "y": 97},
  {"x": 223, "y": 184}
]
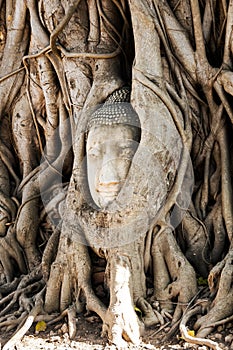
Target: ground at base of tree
[{"x": 55, "y": 337}]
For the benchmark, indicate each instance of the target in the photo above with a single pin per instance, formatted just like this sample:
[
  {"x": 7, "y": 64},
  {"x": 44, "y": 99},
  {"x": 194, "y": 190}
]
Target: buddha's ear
[
  {"x": 79, "y": 149},
  {"x": 79, "y": 173}
]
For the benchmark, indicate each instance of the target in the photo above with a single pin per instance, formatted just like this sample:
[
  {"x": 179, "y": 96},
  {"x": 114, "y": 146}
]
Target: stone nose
[{"x": 108, "y": 174}]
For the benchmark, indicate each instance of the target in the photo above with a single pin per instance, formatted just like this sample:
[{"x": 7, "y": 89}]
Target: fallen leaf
[
  {"x": 138, "y": 311},
  {"x": 202, "y": 281},
  {"x": 40, "y": 327},
  {"x": 191, "y": 333}
]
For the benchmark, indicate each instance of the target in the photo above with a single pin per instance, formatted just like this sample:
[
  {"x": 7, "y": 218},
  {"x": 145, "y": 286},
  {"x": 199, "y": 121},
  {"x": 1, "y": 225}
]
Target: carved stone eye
[
  {"x": 127, "y": 152},
  {"x": 94, "y": 152}
]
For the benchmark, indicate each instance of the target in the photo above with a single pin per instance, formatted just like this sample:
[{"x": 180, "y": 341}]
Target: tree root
[
  {"x": 15, "y": 295},
  {"x": 220, "y": 280},
  {"x": 121, "y": 322},
  {"x": 28, "y": 285},
  {"x": 12, "y": 322},
  {"x": 70, "y": 279},
  {"x": 174, "y": 277},
  {"x": 195, "y": 340},
  {"x": 22, "y": 331},
  {"x": 151, "y": 336},
  {"x": 37, "y": 309},
  {"x": 50, "y": 252},
  {"x": 150, "y": 316},
  {"x": 11, "y": 250},
  {"x": 65, "y": 78},
  {"x": 71, "y": 316},
  {"x": 16, "y": 44},
  {"x": 196, "y": 241},
  {"x": 71, "y": 313}
]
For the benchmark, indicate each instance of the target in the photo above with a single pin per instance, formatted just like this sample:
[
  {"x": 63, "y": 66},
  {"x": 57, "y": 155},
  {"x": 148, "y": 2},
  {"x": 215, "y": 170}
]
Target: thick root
[
  {"x": 70, "y": 275},
  {"x": 222, "y": 305},
  {"x": 174, "y": 278},
  {"x": 196, "y": 242},
  {"x": 22, "y": 331},
  {"x": 150, "y": 316},
  {"x": 195, "y": 340},
  {"x": 121, "y": 321},
  {"x": 70, "y": 281},
  {"x": 11, "y": 250}
]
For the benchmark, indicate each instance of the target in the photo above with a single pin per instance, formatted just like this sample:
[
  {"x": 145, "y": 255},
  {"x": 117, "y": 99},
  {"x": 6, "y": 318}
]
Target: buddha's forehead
[{"x": 114, "y": 133}]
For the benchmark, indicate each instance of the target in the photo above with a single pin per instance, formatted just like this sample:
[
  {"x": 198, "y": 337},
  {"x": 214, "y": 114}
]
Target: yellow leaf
[
  {"x": 40, "y": 326},
  {"x": 137, "y": 310},
  {"x": 202, "y": 281},
  {"x": 191, "y": 333}
]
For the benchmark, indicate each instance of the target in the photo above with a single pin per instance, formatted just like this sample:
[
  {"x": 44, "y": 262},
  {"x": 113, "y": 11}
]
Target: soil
[{"x": 88, "y": 337}]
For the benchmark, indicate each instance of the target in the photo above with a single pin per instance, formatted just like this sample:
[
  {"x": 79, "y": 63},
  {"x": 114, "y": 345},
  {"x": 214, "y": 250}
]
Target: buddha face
[{"x": 110, "y": 150}]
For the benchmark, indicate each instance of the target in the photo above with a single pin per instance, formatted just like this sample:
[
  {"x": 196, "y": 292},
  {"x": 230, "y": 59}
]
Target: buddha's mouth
[
  {"x": 111, "y": 191},
  {"x": 108, "y": 195}
]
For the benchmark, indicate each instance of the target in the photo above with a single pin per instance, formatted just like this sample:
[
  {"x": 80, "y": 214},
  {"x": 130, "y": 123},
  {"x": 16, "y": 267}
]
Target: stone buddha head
[{"x": 112, "y": 140}]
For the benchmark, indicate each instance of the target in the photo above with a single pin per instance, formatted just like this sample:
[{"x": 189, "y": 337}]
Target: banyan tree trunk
[{"x": 59, "y": 61}]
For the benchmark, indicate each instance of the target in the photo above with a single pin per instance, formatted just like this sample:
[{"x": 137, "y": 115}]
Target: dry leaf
[
  {"x": 191, "y": 333},
  {"x": 40, "y": 327}
]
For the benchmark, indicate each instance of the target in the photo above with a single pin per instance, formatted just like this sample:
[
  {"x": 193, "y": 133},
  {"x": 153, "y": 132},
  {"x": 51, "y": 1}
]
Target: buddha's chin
[{"x": 105, "y": 201}]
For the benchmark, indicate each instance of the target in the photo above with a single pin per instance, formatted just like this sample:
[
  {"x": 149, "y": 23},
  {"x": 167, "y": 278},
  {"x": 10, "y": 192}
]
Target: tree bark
[{"x": 61, "y": 60}]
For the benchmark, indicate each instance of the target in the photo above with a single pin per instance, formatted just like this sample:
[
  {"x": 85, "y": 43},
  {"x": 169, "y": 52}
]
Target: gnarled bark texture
[{"x": 58, "y": 61}]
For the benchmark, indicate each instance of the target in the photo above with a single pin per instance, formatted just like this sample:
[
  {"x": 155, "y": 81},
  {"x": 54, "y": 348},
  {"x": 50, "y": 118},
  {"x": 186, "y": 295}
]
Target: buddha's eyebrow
[
  {"x": 96, "y": 145},
  {"x": 127, "y": 142}
]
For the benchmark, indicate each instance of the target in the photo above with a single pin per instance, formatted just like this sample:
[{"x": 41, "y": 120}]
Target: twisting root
[
  {"x": 221, "y": 322},
  {"x": 21, "y": 332},
  {"x": 58, "y": 318},
  {"x": 90, "y": 54},
  {"x": 61, "y": 25},
  {"x": 29, "y": 321},
  {"x": 71, "y": 313},
  {"x": 11, "y": 74},
  {"x": 195, "y": 340}
]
